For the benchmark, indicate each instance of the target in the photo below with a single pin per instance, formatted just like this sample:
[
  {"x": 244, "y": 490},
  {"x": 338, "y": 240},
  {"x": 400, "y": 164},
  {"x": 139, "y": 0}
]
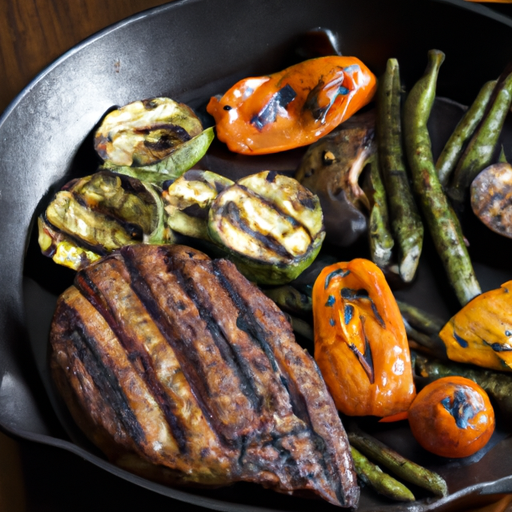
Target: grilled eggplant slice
[
  {"x": 331, "y": 169},
  {"x": 270, "y": 225},
  {"x": 154, "y": 140},
  {"x": 92, "y": 216},
  {"x": 491, "y": 198},
  {"x": 182, "y": 371},
  {"x": 188, "y": 199}
]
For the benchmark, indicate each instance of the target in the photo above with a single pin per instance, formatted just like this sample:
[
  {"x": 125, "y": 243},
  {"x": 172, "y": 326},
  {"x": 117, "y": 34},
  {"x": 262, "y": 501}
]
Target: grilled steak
[{"x": 182, "y": 371}]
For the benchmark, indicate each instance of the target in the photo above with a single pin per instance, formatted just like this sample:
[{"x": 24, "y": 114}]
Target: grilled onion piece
[{"x": 181, "y": 371}]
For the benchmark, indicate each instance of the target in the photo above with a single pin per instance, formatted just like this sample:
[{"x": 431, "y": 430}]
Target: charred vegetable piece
[
  {"x": 405, "y": 219},
  {"x": 331, "y": 169},
  {"x": 463, "y": 132},
  {"x": 452, "y": 417},
  {"x": 62, "y": 249},
  {"x": 145, "y": 132},
  {"x": 153, "y": 140},
  {"x": 270, "y": 225},
  {"x": 430, "y": 343},
  {"x": 481, "y": 332},
  {"x": 498, "y": 385},
  {"x": 360, "y": 341},
  {"x": 381, "y": 482},
  {"x": 480, "y": 150},
  {"x": 491, "y": 198},
  {"x": 397, "y": 464},
  {"x": 290, "y": 299},
  {"x": 293, "y": 107},
  {"x": 379, "y": 231},
  {"x": 188, "y": 199},
  {"x": 419, "y": 319},
  {"x": 184, "y": 157},
  {"x": 92, "y": 216},
  {"x": 442, "y": 222}
]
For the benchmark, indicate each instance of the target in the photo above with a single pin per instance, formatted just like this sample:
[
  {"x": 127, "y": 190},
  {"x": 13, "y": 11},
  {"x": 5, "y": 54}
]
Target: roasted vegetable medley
[{"x": 367, "y": 181}]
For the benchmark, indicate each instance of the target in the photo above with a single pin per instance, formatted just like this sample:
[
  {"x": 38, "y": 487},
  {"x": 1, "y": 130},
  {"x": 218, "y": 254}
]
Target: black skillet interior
[{"x": 190, "y": 50}]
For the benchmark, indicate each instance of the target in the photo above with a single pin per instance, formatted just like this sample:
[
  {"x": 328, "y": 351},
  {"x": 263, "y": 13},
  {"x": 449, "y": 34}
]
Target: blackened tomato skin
[{"x": 452, "y": 417}]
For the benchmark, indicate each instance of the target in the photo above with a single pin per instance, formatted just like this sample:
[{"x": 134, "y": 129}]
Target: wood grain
[{"x": 33, "y": 33}]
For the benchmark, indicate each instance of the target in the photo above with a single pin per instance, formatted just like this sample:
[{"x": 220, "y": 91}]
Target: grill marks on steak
[
  {"x": 305, "y": 383},
  {"x": 179, "y": 359}
]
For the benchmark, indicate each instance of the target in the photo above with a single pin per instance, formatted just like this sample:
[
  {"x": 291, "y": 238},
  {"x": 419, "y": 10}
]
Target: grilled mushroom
[{"x": 331, "y": 168}]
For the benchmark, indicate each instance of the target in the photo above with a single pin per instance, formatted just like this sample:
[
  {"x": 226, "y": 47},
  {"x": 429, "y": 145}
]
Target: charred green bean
[
  {"x": 419, "y": 319},
  {"x": 454, "y": 147},
  {"x": 290, "y": 299},
  {"x": 381, "y": 482},
  {"x": 380, "y": 238},
  {"x": 442, "y": 222},
  {"x": 397, "y": 464},
  {"x": 405, "y": 219},
  {"x": 482, "y": 146}
]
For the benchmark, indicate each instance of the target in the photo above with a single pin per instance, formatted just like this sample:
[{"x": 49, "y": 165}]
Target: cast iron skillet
[{"x": 190, "y": 50}]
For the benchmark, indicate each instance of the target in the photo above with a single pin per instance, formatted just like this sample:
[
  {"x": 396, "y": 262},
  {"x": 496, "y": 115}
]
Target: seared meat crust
[{"x": 181, "y": 370}]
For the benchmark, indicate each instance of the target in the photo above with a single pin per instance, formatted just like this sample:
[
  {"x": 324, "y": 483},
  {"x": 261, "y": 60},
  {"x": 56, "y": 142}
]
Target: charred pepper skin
[
  {"x": 361, "y": 345},
  {"x": 291, "y": 108},
  {"x": 405, "y": 218},
  {"x": 441, "y": 220},
  {"x": 454, "y": 147}
]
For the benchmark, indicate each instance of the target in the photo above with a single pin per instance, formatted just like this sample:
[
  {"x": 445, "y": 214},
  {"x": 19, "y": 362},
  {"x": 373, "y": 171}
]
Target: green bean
[
  {"x": 381, "y": 482},
  {"x": 405, "y": 219},
  {"x": 454, "y": 147},
  {"x": 432, "y": 342},
  {"x": 380, "y": 238},
  {"x": 397, "y": 464},
  {"x": 480, "y": 150},
  {"x": 419, "y": 319},
  {"x": 441, "y": 220},
  {"x": 301, "y": 327},
  {"x": 290, "y": 299}
]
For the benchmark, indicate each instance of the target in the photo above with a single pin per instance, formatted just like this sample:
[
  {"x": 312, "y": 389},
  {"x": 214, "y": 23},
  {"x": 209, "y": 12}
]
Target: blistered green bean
[
  {"x": 441, "y": 220},
  {"x": 406, "y": 223}
]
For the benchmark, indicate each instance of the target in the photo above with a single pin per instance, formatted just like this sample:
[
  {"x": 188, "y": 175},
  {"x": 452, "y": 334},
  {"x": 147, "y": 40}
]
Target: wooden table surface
[
  {"x": 33, "y": 33},
  {"x": 36, "y": 478}
]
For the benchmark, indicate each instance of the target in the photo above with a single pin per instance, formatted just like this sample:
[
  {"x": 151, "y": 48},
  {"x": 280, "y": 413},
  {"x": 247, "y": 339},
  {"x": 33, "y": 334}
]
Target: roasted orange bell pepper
[
  {"x": 481, "y": 332},
  {"x": 292, "y": 108},
  {"x": 361, "y": 345}
]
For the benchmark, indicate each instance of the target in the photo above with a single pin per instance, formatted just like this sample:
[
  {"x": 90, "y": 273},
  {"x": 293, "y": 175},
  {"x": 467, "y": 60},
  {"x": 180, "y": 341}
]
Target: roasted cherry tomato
[
  {"x": 452, "y": 417},
  {"x": 292, "y": 108},
  {"x": 361, "y": 345}
]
